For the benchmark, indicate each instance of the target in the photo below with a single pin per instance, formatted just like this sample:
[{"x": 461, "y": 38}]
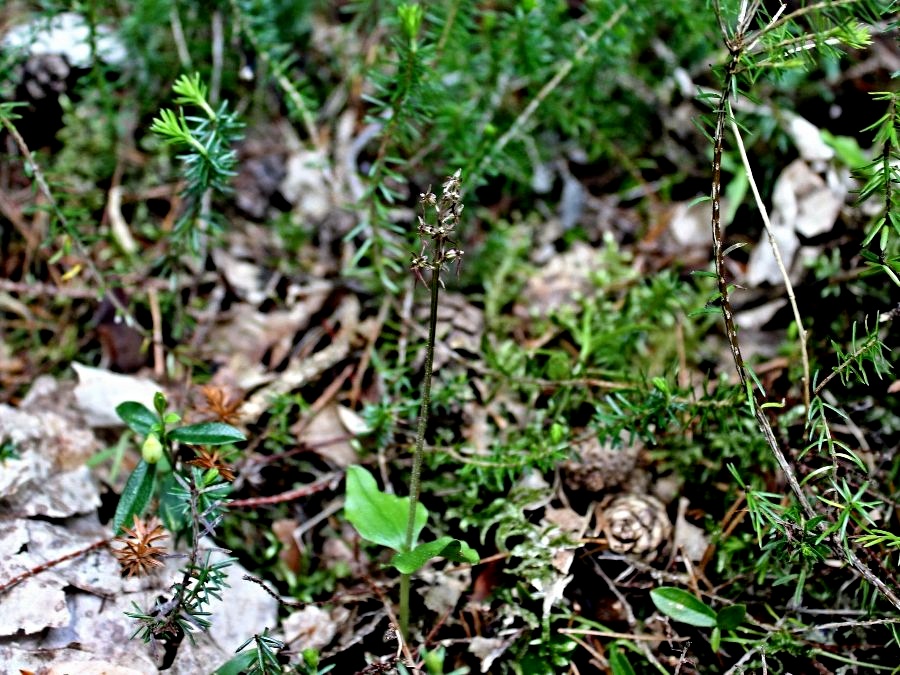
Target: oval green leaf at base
[
  {"x": 619, "y": 663},
  {"x": 377, "y": 516},
  {"x": 682, "y": 606},
  {"x": 237, "y": 665},
  {"x": 715, "y": 640},
  {"x": 731, "y": 617},
  {"x": 445, "y": 547}
]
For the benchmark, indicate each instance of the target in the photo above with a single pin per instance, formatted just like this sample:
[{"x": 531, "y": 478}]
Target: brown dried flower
[
  {"x": 222, "y": 404},
  {"x": 139, "y": 555},
  {"x": 213, "y": 459}
]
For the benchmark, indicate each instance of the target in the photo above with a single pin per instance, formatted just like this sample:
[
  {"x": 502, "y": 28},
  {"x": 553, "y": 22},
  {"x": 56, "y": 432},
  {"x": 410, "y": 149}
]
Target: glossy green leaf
[
  {"x": 377, "y": 516},
  {"x": 715, "y": 639},
  {"x": 159, "y": 402},
  {"x": 136, "y": 495},
  {"x": 618, "y": 662},
  {"x": 682, "y": 606},
  {"x": 137, "y": 416},
  {"x": 207, "y": 433},
  {"x": 237, "y": 665},
  {"x": 731, "y": 617},
  {"x": 445, "y": 547}
]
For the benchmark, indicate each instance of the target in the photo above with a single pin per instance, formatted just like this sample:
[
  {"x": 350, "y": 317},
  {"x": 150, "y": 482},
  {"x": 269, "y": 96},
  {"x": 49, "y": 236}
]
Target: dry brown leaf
[{"x": 326, "y": 435}]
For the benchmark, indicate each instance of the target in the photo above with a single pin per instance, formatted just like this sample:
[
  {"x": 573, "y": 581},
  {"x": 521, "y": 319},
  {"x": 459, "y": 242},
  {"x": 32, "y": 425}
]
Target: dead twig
[
  {"x": 629, "y": 616},
  {"x": 789, "y": 287},
  {"x": 44, "y": 566},
  {"x": 328, "y": 481}
]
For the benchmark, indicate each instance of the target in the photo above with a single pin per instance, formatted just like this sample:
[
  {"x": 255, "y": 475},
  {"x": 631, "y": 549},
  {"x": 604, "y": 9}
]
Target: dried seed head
[
  {"x": 139, "y": 555},
  {"x": 212, "y": 458}
]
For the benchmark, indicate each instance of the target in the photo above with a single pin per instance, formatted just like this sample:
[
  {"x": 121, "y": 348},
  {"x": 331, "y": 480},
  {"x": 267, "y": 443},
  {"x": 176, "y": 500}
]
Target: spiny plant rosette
[{"x": 386, "y": 519}]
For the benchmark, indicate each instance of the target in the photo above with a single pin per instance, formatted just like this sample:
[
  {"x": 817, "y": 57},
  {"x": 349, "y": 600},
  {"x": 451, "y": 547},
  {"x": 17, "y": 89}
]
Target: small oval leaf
[
  {"x": 377, "y": 516},
  {"x": 682, "y": 606},
  {"x": 136, "y": 495},
  {"x": 619, "y": 663},
  {"x": 207, "y": 433},
  {"x": 445, "y": 547},
  {"x": 137, "y": 416},
  {"x": 731, "y": 617}
]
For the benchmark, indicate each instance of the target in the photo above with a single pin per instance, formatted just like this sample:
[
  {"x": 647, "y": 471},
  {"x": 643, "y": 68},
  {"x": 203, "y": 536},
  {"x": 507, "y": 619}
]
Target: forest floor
[{"x": 635, "y": 500}]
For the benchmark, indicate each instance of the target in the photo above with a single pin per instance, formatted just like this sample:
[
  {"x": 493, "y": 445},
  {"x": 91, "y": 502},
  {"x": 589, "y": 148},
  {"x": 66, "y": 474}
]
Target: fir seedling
[
  {"x": 208, "y": 158},
  {"x": 402, "y": 101},
  {"x": 260, "y": 659}
]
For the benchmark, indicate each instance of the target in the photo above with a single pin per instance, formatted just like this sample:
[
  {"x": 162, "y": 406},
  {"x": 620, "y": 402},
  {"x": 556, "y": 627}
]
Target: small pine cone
[
  {"x": 636, "y": 524},
  {"x": 600, "y": 467},
  {"x": 44, "y": 76}
]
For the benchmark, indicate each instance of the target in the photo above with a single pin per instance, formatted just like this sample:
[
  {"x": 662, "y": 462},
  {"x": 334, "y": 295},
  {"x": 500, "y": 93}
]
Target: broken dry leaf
[
  {"x": 488, "y": 650},
  {"x": 802, "y": 203},
  {"x": 326, "y": 435},
  {"x": 247, "y": 279},
  {"x": 443, "y": 588},
  {"x": 566, "y": 519},
  {"x": 689, "y": 539},
  {"x": 310, "y": 628},
  {"x": 283, "y": 529},
  {"x": 301, "y": 371}
]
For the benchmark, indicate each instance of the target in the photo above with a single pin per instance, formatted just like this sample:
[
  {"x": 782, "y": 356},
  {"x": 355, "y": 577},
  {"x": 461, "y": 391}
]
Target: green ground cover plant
[{"x": 622, "y": 454}]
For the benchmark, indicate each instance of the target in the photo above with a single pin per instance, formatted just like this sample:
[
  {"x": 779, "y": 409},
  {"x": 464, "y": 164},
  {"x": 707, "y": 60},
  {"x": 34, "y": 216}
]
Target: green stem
[
  {"x": 416, "y": 477},
  {"x": 404, "y": 606}
]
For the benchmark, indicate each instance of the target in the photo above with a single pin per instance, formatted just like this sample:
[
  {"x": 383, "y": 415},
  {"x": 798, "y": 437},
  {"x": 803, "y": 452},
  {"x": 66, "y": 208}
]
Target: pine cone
[
  {"x": 43, "y": 76},
  {"x": 636, "y": 524}
]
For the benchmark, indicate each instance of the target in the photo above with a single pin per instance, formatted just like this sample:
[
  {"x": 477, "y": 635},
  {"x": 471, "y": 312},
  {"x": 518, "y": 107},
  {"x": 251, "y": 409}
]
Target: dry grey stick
[{"x": 789, "y": 287}]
